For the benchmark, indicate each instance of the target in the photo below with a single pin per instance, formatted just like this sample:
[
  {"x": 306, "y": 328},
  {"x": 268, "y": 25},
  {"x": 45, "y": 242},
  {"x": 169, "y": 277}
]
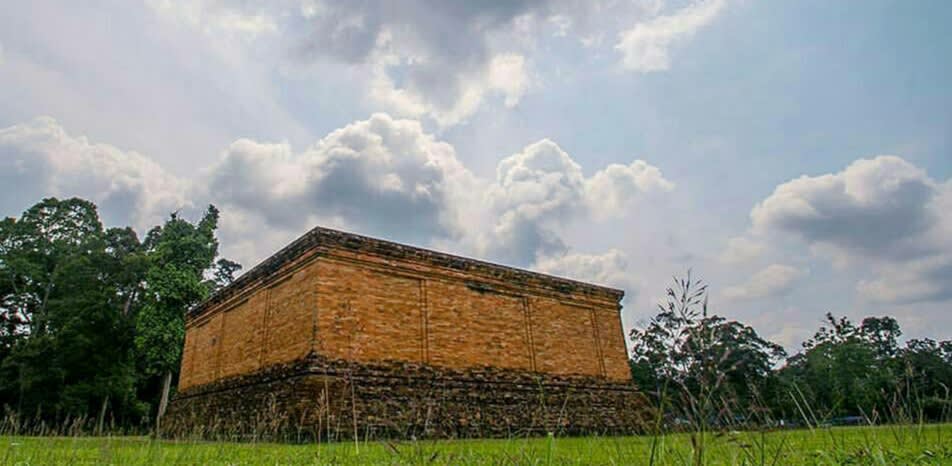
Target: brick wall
[
  {"x": 316, "y": 398},
  {"x": 365, "y": 306}
]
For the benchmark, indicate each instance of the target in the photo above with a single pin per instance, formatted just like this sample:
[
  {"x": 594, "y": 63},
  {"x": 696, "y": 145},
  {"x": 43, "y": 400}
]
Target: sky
[{"x": 796, "y": 156}]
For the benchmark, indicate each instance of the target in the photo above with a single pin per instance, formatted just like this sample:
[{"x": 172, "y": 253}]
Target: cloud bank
[
  {"x": 881, "y": 214},
  {"x": 380, "y": 176},
  {"x": 40, "y": 159},
  {"x": 444, "y": 60}
]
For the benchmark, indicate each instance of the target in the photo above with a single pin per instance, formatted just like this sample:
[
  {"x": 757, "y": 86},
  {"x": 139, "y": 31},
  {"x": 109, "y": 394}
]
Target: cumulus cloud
[
  {"x": 379, "y": 175},
  {"x": 39, "y": 159},
  {"x": 541, "y": 188},
  {"x": 875, "y": 206},
  {"x": 883, "y": 213},
  {"x": 646, "y": 46},
  {"x": 386, "y": 176},
  {"x": 773, "y": 280},
  {"x": 609, "y": 269},
  {"x": 925, "y": 278},
  {"x": 534, "y": 189},
  {"x": 612, "y": 189}
]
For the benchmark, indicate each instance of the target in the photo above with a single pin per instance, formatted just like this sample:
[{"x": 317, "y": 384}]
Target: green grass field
[{"x": 886, "y": 445}]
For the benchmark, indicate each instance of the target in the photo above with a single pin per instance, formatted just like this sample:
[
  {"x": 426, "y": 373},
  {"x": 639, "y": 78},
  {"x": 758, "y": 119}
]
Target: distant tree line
[
  {"x": 705, "y": 370},
  {"x": 92, "y": 318}
]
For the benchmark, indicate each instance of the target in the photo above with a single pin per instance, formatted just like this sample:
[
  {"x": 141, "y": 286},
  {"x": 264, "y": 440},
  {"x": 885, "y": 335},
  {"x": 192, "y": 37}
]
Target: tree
[
  {"x": 12, "y": 322},
  {"x": 179, "y": 256},
  {"x": 846, "y": 370},
  {"x": 223, "y": 274},
  {"x": 882, "y": 333},
  {"x": 926, "y": 367},
  {"x": 67, "y": 342},
  {"x": 697, "y": 363},
  {"x": 91, "y": 318}
]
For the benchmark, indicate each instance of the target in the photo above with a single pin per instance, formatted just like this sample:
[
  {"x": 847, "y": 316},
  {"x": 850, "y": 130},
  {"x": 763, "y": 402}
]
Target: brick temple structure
[{"x": 339, "y": 335}]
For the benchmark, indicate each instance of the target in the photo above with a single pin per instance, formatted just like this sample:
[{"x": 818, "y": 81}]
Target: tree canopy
[
  {"x": 700, "y": 367},
  {"x": 91, "y": 318}
]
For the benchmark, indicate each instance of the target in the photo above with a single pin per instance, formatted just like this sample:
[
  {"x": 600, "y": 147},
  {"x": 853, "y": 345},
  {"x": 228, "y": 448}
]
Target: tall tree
[
  {"x": 69, "y": 350},
  {"x": 882, "y": 333},
  {"x": 844, "y": 369},
  {"x": 697, "y": 363},
  {"x": 223, "y": 274},
  {"x": 926, "y": 367},
  {"x": 180, "y": 254}
]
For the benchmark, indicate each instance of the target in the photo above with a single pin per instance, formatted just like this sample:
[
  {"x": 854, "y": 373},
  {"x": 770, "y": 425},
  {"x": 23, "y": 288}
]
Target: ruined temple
[{"x": 339, "y": 335}]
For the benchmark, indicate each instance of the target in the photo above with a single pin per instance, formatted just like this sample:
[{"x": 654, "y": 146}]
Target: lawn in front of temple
[{"x": 880, "y": 445}]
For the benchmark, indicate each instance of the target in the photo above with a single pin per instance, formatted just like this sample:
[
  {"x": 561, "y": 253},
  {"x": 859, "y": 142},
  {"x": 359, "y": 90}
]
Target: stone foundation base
[{"x": 319, "y": 399}]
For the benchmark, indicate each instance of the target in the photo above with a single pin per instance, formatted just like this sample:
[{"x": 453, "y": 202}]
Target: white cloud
[
  {"x": 874, "y": 207},
  {"x": 918, "y": 280},
  {"x": 506, "y": 75},
  {"x": 440, "y": 60},
  {"x": 509, "y": 75},
  {"x": 542, "y": 188},
  {"x": 39, "y": 159},
  {"x": 379, "y": 176},
  {"x": 214, "y": 19},
  {"x": 612, "y": 189},
  {"x": 609, "y": 269},
  {"x": 883, "y": 214},
  {"x": 534, "y": 190},
  {"x": 646, "y": 46},
  {"x": 773, "y": 280},
  {"x": 741, "y": 249},
  {"x": 386, "y": 176}
]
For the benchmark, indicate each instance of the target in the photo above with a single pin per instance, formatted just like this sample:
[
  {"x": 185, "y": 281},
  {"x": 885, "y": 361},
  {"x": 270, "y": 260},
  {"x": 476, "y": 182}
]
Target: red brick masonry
[{"x": 335, "y": 310}]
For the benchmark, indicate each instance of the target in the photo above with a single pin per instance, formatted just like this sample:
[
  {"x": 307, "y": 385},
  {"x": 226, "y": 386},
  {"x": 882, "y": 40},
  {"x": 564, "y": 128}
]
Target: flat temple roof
[{"x": 327, "y": 237}]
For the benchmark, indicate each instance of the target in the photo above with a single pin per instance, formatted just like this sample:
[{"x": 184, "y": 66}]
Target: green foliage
[
  {"x": 849, "y": 370},
  {"x": 691, "y": 361},
  {"x": 88, "y": 314},
  {"x": 69, "y": 342},
  {"x": 702, "y": 369},
  {"x": 223, "y": 274},
  {"x": 926, "y": 374},
  {"x": 179, "y": 255}
]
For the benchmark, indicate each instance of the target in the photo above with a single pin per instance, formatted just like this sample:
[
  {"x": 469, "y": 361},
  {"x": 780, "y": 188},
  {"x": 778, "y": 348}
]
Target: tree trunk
[
  {"x": 164, "y": 401},
  {"x": 102, "y": 415},
  {"x": 129, "y": 299},
  {"x": 39, "y": 323}
]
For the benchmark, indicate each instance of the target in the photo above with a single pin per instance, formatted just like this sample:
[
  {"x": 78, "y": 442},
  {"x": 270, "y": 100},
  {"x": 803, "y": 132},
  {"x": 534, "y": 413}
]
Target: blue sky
[{"x": 796, "y": 155}]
